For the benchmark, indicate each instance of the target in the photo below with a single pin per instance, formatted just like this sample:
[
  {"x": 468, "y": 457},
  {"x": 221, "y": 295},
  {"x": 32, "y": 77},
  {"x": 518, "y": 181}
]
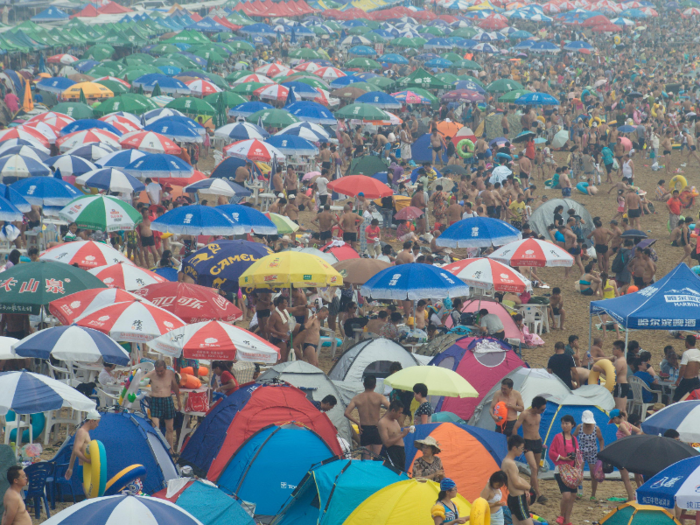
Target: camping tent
[
  {"x": 371, "y": 357},
  {"x": 332, "y": 490},
  {"x": 7, "y": 459},
  {"x": 247, "y": 410},
  {"x": 530, "y": 382},
  {"x": 494, "y": 307},
  {"x": 367, "y": 165},
  {"x": 50, "y": 14},
  {"x": 543, "y": 216},
  {"x": 208, "y": 504},
  {"x": 483, "y": 362},
  {"x": 128, "y": 439},
  {"x": 422, "y": 152},
  {"x": 271, "y": 463},
  {"x": 317, "y": 385},
  {"x": 469, "y": 454}
]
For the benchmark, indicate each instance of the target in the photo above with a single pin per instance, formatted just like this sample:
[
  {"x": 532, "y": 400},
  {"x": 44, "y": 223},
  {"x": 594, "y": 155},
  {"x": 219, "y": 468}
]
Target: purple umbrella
[{"x": 462, "y": 95}]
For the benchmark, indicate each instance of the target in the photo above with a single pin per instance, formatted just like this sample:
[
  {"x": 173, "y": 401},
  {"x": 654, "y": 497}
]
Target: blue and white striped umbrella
[
  {"x": 484, "y": 47},
  {"x": 111, "y": 179},
  {"x": 9, "y": 212},
  {"x": 577, "y": 45},
  {"x": 89, "y": 123},
  {"x": 241, "y": 131},
  {"x": 46, "y": 191},
  {"x": 247, "y": 108},
  {"x": 159, "y": 165},
  {"x": 292, "y": 145},
  {"x": 301, "y": 89},
  {"x": 91, "y": 152},
  {"x": 218, "y": 186},
  {"x": 167, "y": 84},
  {"x": 29, "y": 393},
  {"x": 71, "y": 165},
  {"x": 14, "y": 197},
  {"x": 155, "y": 114},
  {"x": 55, "y": 84},
  {"x": 485, "y": 36},
  {"x": 414, "y": 281},
  {"x": 683, "y": 417},
  {"x": 11, "y": 143},
  {"x": 306, "y": 130},
  {"x": 26, "y": 151},
  {"x": 21, "y": 167},
  {"x": 119, "y": 159},
  {"x": 438, "y": 43},
  {"x": 478, "y": 232},
  {"x": 193, "y": 220},
  {"x": 355, "y": 40},
  {"x": 174, "y": 130},
  {"x": 72, "y": 343},
  {"x": 246, "y": 219},
  {"x": 124, "y": 510},
  {"x": 309, "y": 111}
]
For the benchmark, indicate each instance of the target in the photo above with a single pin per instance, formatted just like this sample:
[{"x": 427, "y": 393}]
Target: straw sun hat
[{"x": 429, "y": 441}]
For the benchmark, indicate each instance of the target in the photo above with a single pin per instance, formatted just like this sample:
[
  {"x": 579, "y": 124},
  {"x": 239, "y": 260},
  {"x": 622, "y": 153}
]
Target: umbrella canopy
[
  {"x": 126, "y": 276},
  {"x": 46, "y": 191},
  {"x": 69, "y": 308},
  {"x": 80, "y": 138},
  {"x": 246, "y": 219},
  {"x": 358, "y": 271},
  {"x": 674, "y": 485},
  {"x": 218, "y": 186},
  {"x": 537, "y": 99},
  {"x": 353, "y": 185},
  {"x": 683, "y": 417},
  {"x": 111, "y": 179},
  {"x": 631, "y": 513},
  {"x": 644, "y": 454},
  {"x": 157, "y": 165},
  {"x": 478, "y": 232},
  {"x": 193, "y": 220},
  {"x": 489, "y": 275},
  {"x": 532, "y": 252},
  {"x": 292, "y": 145},
  {"x": 24, "y": 288},
  {"x": 72, "y": 343},
  {"x": 100, "y": 212},
  {"x": 215, "y": 340},
  {"x": 254, "y": 150},
  {"x": 413, "y": 282},
  {"x": 86, "y": 254},
  {"x": 29, "y": 393},
  {"x": 440, "y": 381},
  {"x": 241, "y": 131},
  {"x": 150, "y": 142},
  {"x": 285, "y": 269},
  {"x": 22, "y": 167},
  {"x": 190, "y": 302},
  {"x": 71, "y": 165}
]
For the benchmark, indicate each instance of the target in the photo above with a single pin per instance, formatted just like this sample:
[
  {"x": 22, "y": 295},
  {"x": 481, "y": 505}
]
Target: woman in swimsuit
[
  {"x": 589, "y": 283},
  {"x": 445, "y": 511},
  {"x": 492, "y": 493}
]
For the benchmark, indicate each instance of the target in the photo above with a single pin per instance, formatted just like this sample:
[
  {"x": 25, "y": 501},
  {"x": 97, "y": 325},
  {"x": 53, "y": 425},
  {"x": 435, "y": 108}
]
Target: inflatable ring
[
  {"x": 541, "y": 119},
  {"x": 609, "y": 371},
  {"x": 465, "y": 149},
  {"x": 95, "y": 473},
  {"x": 678, "y": 179},
  {"x": 122, "y": 478},
  {"x": 480, "y": 513},
  {"x": 595, "y": 119},
  {"x": 38, "y": 424},
  {"x": 503, "y": 156},
  {"x": 617, "y": 40},
  {"x": 582, "y": 187}
]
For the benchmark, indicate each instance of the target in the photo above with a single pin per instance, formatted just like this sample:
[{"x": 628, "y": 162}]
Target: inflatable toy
[
  {"x": 122, "y": 478},
  {"x": 503, "y": 156},
  {"x": 38, "y": 424},
  {"x": 678, "y": 180},
  {"x": 95, "y": 474},
  {"x": 131, "y": 386},
  {"x": 501, "y": 413},
  {"x": 598, "y": 120},
  {"x": 480, "y": 513},
  {"x": 188, "y": 381},
  {"x": 465, "y": 149},
  {"x": 608, "y": 371},
  {"x": 582, "y": 187},
  {"x": 203, "y": 371},
  {"x": 617, "y": 40}
]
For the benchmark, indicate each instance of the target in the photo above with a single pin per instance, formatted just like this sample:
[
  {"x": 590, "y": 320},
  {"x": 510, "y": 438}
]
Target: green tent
[{"x": 368, "y": 165}]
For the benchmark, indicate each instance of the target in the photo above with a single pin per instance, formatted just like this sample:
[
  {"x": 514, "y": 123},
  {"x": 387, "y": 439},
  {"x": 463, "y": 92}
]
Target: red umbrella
[
  {"x": 68, "y": 308},
  {"x": 408, "y": 213},
  {"x": 341, "y": 250},
  {"x": 191, "y": 302},
  {"x": 352, "y": 185},
  {"x": 596, "y": 21},
  {"x": 606, "y": 28}
]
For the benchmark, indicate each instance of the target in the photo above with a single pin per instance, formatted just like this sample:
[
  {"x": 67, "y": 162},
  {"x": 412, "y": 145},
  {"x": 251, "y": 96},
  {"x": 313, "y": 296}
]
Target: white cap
[
  {"x": 93, "y": 415},
  {"x": 587, "y": 418}
]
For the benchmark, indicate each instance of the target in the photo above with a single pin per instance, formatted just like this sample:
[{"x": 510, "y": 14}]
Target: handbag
[{"x": 572, "y": 475}]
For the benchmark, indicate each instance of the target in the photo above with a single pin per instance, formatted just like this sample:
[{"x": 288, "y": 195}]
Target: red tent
[
  {"x": 196, "y": 17},
  {"x": 113, "y": 8},
  {"x": 306, "y": 7},
  {"x": 87, "y": 11},
  {"x": 227, "y": 23},
  {"x": 260, "y": 8}
]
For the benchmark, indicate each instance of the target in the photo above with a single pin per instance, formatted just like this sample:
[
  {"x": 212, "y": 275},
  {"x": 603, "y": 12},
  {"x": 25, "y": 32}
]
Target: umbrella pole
[{"x": 590, "y": 335}]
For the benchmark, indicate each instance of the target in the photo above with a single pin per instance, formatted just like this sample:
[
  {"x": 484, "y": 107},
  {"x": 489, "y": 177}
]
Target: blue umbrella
[
  {"x": 426, "y": 56},
  {"x": 379, "y": 99},
  {"x": 470, "y": 85},
  {"x": 181, "y": 119},
  {"x": 168, "y": 273},
  {"x": 626, "y": 129},
  {"x": 26, "y": 151},
  {"x": 118, "y": 159},
  {"x": 309, "y": 111},
  {"x": 46, "y": 191},
  {"x": 292, "y": 145},
  {"x": 174, "y": 130},
  {"x": 218, "y": 186},
  {"x": 226, "y": 169},
  {"x": 155, "y": 114},
  {"x": 15, "y": 198},
  {"x": 29, "y": 393},
  {"x": 537, "y": 99},
  {"x": 674, "y": 485},
  {"x": 525, "y": 44},
  {"x": 393, "y": 58},
  {"x": 366, "y": 75},
  {"x": 8, "y": 211},
  {"x": 248, "y": 108},
  {"x": 354, "y": 41},
  {"x": 71, "y": 165},
  {"x": 467, "y": 43},
  {"x": 364, "y": 51},
  {"x": 478, "y": 232},
  {"x": 193, "y": 220},
  {"x": 413, "y": 281},
  {"x": 682, "y": 417},
  {"x": 18, "y": 166},
  {"x": 438, "y": 43},
  {"x": 167, "y": 84},
  {"x": 246, "y": 219},
  {"x": 439, "y": 62},
  {"x": 91, "y": 151},
  {"x": 55, "y": 85},
  {"x": 201, "y": 62},
  {"x": 170, "y": 71},
  {"x": 520, "y": 34},
  {"x": 72, "y": 343},
  {"x": 577, "y": 45},
  {"x": 489, "y": 37},
  {"x": 159, "y": 165},
  {"x": 11, "y": 143},
  {"x": 301, "y": 89},
  {"x": 306, "y": 130},
  {"x": 241, "y": 131},
  {"x": 86, "y": 65},
  {"x": 111, "y": 179},
  {"x": 544, "y": 47},
  {"x": 345, "y": 81},
  {"x": 89, "y": 123}
]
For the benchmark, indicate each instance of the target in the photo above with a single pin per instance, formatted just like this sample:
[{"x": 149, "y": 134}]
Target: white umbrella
[
  {"x": 560, "y": 139},
  {"x": 6, "y": 351},
  {"x": 499, "y": 174}
]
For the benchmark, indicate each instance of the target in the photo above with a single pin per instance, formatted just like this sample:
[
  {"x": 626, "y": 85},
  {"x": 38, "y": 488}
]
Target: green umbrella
[
  {"x": 358, "y": 30},
  {"x": 503, "y": 85},
  {"x": 26, "y": 287},
  {"x": 99, "y": 52},
  {"x": 422, "y": 79},
  {"x": 101, "y": 212},
  {"x": 230, "y": 99},
  {"x": 213, "y": 58},
  {"x": 363, "y": 63},
  {"x": 273, "y": 118},
  {"x": 403, "y": 41},
  {"x": 452, "y": 57},
  {"x": 192, "y": 106},
  {"x": 82, "y": 98},
  {"x": 186, "y": 61},
  {"x": 247, "y": 88},
  {"x": 74, "y": 110},
  {"x": 168, "y": 62},
  {"x": 164, "y": 49},
  {"x": 512, "y": 95},
  {"x": 471, "y": 79},
  {"x": 129, "y": 102},
  {"x": 218, "y": 81},
  {"x": 235, "y": 75},
  {"x": 116, "y": 87},
  {"x": 382, "y": 82},
  {"x": 304, "y": 53},
  {"x": 103, "y": 71},
  {"x": 464, "y": 32},
  {"x": 432, "y": 30},
  {"x": 374, "y": 38},
  {"x": 362, "y": 111},
  {"x": 131, "y": 73},
  {"x": 427, "y": 94},
  {"x": 221, "y": 117},
  {"x": 366, "y": 86},
  {"x": 447, "y": 78},
  {"x": 240, "y": 45},
  {"x": 143, "y": 57}
]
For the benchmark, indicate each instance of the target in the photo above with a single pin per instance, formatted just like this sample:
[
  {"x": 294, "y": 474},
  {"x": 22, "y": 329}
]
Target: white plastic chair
[
  {"x": 532, "y": 319},
  {"x": 637, "y": 402},
  {"x": 54, "y": 420},
  {"x": 107, "y": 399}
]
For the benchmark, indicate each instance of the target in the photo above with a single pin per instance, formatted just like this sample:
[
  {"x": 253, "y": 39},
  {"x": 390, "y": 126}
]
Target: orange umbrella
[{"x": 448, "y": 128}]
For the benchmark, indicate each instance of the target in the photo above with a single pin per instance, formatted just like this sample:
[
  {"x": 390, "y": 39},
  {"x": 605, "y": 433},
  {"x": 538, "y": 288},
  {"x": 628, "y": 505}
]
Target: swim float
[{"x": 95, "y": 473}]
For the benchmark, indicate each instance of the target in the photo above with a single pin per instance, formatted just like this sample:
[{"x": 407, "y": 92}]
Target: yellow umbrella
[
  {"x": 91, "y": 90},
  {"x": 285, "y": 269},
  {"x": 439, "y": 380}
]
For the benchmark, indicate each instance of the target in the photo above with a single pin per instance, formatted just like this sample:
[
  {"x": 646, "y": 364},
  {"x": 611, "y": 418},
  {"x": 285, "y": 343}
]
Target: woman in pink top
[{"x": 562, "y": 451}]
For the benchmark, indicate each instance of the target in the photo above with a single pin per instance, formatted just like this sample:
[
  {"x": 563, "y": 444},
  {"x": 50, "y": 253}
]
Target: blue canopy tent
[
  {"x": 668, "y": 304},
  {"x": 50, "y": 14}
]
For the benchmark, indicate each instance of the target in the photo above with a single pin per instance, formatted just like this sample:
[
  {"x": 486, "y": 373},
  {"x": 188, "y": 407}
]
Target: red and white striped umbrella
[
  {"x": 324, "y": 98},
  {"x": 87, "y": 136},
  {"x": 329, "y": 73},
  {"x": 191, "y": 302},
  {"x": 123, "y": 124},
  {"x": 274, "y": 92},
  {"x": 202, "y": 87},
  {"x": 86, "y": 254},
  {"x": 47, "y": 130},
  {"x": 532, "y": 252},
  {"x": 309, "y": 67},
  {"x": 691, "y": 11},
  {"x": 488, "y": 274},
  {"x": 551, "y": 8},
  {"x": 649, "y": 11},
  {"x": 216, "y": 340},
  {"x": 115, "y": 79},
  {"x": 29, "y": 134},
  {"x": 126, "y": 276},
  {"x": 253, "y": 149},
  {"x": 255, "y": 78},
  {"x": 136, "y": 321},
  {"x": 53, "y": 119},
  {"x": 68, "y": 308},
  {"x": 272, "y": 70},
  {"x": 62, "y": 59},
  {"x": 150, "y": 142}
]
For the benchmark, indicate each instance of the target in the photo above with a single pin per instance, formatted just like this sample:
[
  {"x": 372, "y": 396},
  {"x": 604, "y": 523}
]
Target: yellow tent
[
  {"x": 176, "y": 7},
  {"x": 400, "y": 503}
]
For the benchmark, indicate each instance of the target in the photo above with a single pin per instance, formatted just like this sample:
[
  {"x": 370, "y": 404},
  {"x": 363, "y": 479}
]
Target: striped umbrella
[
  {"x": 57, "y": 120},
  {"x": 100, "y": 212},
  {"x": 70, "y": 165},
  {"x": 29, "y": 393},
  {"x": 126, "y": 276},
  {"x": 120, "y": 159},
  {"x": 86, "y": 254},
  {"x": 111, "y": 179},
  {"x": 21, "y": 167},
  {"x": 275, "y": 92},
  {"x": 489, "y": 275},
  {"x": 273, "y": 70},
  {"x": 254, "y": 150},
  {"x": 150, "y": 142},
  {"x": 202, "y": 87},
  {"x": 70, "y": 307},
  {"x": 241, "y": 131},
  {"x": 27, "y": 134},
  {"x": 80, "y": 138}
]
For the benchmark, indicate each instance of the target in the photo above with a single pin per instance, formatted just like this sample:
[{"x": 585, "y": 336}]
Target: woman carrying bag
[{"x": 568, "y": 471}]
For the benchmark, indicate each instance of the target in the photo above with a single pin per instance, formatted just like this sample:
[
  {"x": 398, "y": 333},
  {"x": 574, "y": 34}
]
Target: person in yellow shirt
[{"x": 516, "y": 211}]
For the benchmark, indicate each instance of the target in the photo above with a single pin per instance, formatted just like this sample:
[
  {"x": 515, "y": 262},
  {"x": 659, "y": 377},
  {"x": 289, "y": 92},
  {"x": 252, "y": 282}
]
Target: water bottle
[{"x": 579, "y": 492}]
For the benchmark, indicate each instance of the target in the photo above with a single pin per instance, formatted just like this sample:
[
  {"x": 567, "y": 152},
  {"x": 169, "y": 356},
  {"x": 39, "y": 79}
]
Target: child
[
  {"x": 372, "y": 234},
  {"x": 624, "y": 429},
  {"x": 556, "y": 307}
]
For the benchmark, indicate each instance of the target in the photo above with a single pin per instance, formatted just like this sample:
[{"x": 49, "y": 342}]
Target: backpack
[
  {"x": 618, "y": 264},
  {"x": 467, "y": 319}
]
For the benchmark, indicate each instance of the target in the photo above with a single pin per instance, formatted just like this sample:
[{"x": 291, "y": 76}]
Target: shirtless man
[
  {"x": 634, "y": 208},
  {"x": 530, "y": 421},
  {"x": 348, "y": 223},
  {"x": 692, "y": 148},
  {"x": 565, "y": 184},
  {"x": 481, "y": 147},
  {"x": 291, "y": 210},
  {"x": 405, "y": 256},
  {"x": 242, "y": 174},
  {"x": 525, "y": 166},
  {"x": 368, "y": 404},
  {"x": 601, "y": 237},
  {"x": 418, "y": 200},
  {"x": 690, "y": 367},
  {"x": 667, "y": 148},
  {"x": 571, "y": 245},
  {"x": 518, "y": 488},
  {"x": 325, "y": 156},
  {"x": 325, "y": 223},
  {"x": 163, "y": 385},
  {"x": 454, "y": 213},
  {"x": 597, "y": 351},
  {"x": 489, "y": 200},
  {"x": 505, "y": 125},
  {"x": 263, "y": 302},
  {"x": 13, "y": 502},
  {"x": 81, "y": 440},
  {"x": 311, "y": 335},
  {"x": 649, "y": 268},
  {"x": 437, "y": 143},
  {"x": 147, "y": 239},
  {"x": 622, "y": 387},
  {"x": 615, "y": 239},
  {"x": 514, "y": 403},
  {"x": 392, "y": 435},
  {"x": 278, "y": 327},
  {"x": 278, "y": 181},
  {"x": 291, "y": 182}
]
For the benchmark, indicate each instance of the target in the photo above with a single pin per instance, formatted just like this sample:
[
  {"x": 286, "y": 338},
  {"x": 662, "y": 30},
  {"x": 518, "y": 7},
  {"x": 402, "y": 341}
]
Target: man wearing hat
[
  {"x": 428, "y": 466},
  {"x": 81, "y": 441}
]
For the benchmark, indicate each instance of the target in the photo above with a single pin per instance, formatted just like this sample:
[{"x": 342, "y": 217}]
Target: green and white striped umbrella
[{"x": 101, "y": 212}]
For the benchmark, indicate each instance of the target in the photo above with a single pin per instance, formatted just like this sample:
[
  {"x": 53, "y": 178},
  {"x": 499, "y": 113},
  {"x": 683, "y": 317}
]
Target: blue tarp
[
  {"x": 669, "y": 304},
  {"x": 50, "y": 14}
]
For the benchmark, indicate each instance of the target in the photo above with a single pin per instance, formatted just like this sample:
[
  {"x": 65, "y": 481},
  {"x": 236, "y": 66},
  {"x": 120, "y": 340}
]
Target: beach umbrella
[
  {"x": 92, "y": 151},
  {"x": 86, "y": 254},
  {"x": 111, "y": 179},
  {"x": 255, "y": 150},
  {"x": 173, "y": 130},
  {"x": 292, "y": 145},
  {"x": 478, "y": 232},
  {"x": 55, "y": 85},
  {"x": 135, "y": 321},
  {"x": 118, "y": 159},
  {"x": 216, "y": 340},
  {"x": 275, "y": 92},
  {"x": 46, "y": 191},
  {"x": 202, "y": 87},
  {"x": 393, "y": 58},
  {"x": 379, "y": 99},
  {"x": 150, "y": 142},
  {"x": 126, "y": 276},
  {"x": 9, "y": 212},
  {"x": 28, "y": 393},
  {"x": 675, "y": 485},
  {"x": 644, "y": 454},
  {"x": 80, "y": 138},
  {"x": 15, "y": 199},
  {"x": 631, "y": 513},
  {"x": 462, "y": 95},
  {"x": 122, "y": 124},
  {"x": 86, "y": 124},
  {"x": 440, "y": 381},
  {"x": 285, "y": 269},
  {"x": 306, "y": 130},
  {"x": 218, "y": 186},
  {"x": 678, "y": 416},
  {"x": 503, "y": 85},
  {"x": 70, "y": 165},
  {"x": 352, "y": 185},
  {"x": 49, "y": 132},
  {"x": 413, "y": 281},
  {"x": 276, "y": 118},
  {"x": 537, "y": 99},
  {"x": 361, "y": 111},
  {"x": 358, "y": 271},
  {"x": 8, "y": 147},
  {"x": 308, "y": 111},
  {"x": 72, "y": 343},
  {"x": 192, "y": 106},
  {"x": 409, "y": 97},
  {"x": 193, "y": 220},
  {"x": 532, "y": 252},
  {"x": 26, "y": 287},
  {"x": 24, "y": 133},
  {"x": 52, "y": 118},
  {"x": 69, "y": 308},
  {"x": 248, "y": 108},
  {"x": 191, "y": 302},
  {"x": 22, "y": 167},
  {"x": 159, "y": 165},
  {"x": 489, "y": 274},
  {"x": 101, "y": 212},
  {"x": 89, "y": 90},
  {"x": 75, "y": 110}
]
